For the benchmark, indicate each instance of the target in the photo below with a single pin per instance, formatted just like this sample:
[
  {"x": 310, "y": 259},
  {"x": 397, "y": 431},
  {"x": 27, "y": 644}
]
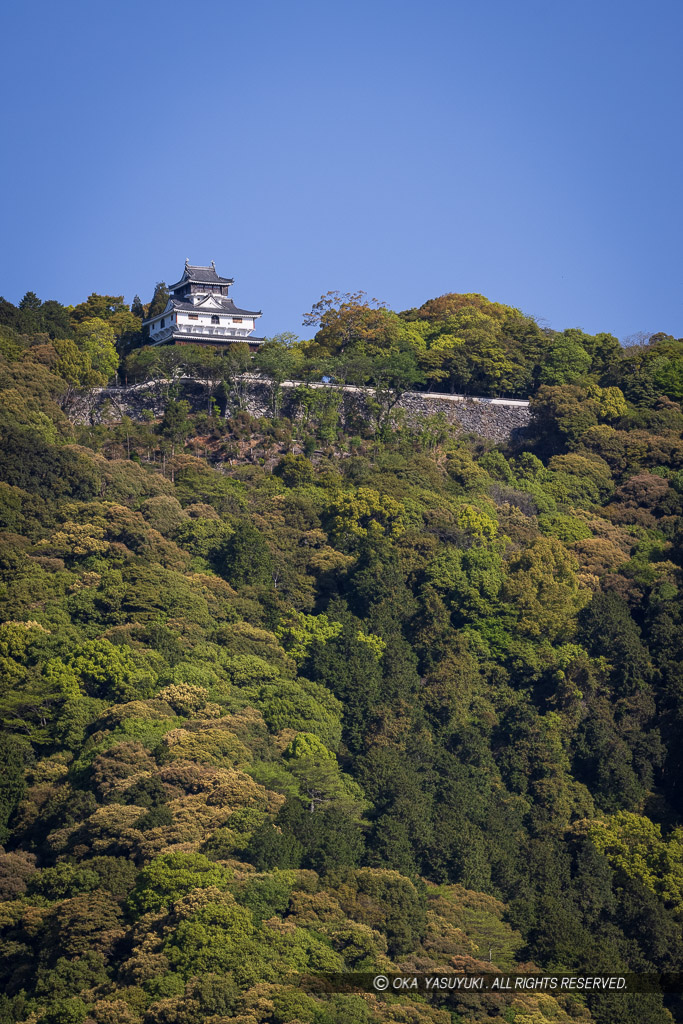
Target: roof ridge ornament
[{"x": 213, "y": 265}]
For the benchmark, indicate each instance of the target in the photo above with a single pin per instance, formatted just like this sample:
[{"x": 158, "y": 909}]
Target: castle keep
[{"x": 200, "y": 312}]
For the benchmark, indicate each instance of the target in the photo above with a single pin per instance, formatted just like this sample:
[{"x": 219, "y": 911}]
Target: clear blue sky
[{"x": 530, "y": 150}]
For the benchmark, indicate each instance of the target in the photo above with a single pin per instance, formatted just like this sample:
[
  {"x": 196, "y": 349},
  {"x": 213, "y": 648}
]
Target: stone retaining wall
[{"x": 495, "y": 419}]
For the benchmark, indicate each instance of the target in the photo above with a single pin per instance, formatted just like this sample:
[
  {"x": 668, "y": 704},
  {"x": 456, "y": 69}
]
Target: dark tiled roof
[
  {"x": 223, "y": 305},
  {"x": 200, "y": 275}
]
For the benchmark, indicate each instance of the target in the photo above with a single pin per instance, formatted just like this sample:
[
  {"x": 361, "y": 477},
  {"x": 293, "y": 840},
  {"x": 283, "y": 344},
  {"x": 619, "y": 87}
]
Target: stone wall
[{"x": 495, "y": 419}]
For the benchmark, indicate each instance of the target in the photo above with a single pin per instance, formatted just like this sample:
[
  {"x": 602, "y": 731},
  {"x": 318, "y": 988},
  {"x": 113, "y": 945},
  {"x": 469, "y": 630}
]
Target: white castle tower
[{"x": 199, "y": 312}]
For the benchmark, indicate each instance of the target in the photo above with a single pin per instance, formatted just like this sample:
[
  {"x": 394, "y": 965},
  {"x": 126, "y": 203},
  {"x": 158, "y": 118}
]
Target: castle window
[
  {"x": 163, "y": 322},
  {"x": 237, "y": 319},
  {"x": 215, "y": 320},
  {"x": 193, "y": 316}
]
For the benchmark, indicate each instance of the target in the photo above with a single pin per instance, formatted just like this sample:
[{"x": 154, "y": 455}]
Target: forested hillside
[{"x": 281, "y": 696}]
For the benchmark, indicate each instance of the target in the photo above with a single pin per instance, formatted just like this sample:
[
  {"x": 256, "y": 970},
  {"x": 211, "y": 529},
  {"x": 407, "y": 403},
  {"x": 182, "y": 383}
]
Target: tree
[
  {"x": 29, "y": 462},
  {"x": 450, "y": 304},
  {"x": 349, "y": 668},
  {"x": 30, "y": 317},
  {"x": 95, "y": 339},
  {"x": 469, "y": 580},
  {"x": 365, "y": 514},
  {"x": 233, "y": 368},
  {"x": 302, "y": 705},
  {"x": 560, "y": 415},
  {"x": 392, "y": 376},
  {"x": 331, "y": 839},
  {"x": 127, "y": 330},
  {"x": 346, "y": 320},
  {"x": 543, "y": 592},
  {"x": 173, "y": 875},
  {"x": 214, "y": 935},
  {"x": 247, "y": 558},
  {"x": 106, "y": 670},
  {"x": 272, "y": 846},
  {"x": 566, "y": 363},
  {"x": 101, "y": 307},
  {"x": 74, "y": 365},
  {"x": 294, "y": 470},
  {"x": 176, "y": 424},
  {"x": 204, "y": 538},
  {"x": 9, "y": 315},
  {"x": 55, "y": 319},
  {"x": 604, "y": 349},
  {"x": 667, "y": 372},
  {"x": 608, "y": 630},
  {"x": 71, "y": 1010},
  {"x": 634, "y": 846},
  {"x": 603, "y": 760},
  {"x": 387, "y": 901},
  {"x": 12, "y": 760},
  {"x": 279, "y": 361},
  {"x": 445, "y": 362},
  {"x": 491, "y": 370},
  {"x": 159, "y": 300},
  {"x": 320, "y": 780}
]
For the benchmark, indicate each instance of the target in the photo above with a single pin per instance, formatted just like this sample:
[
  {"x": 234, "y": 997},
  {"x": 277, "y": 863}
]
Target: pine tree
[
  {"x": 30, "y": 318},
  {"x": 159, "y": 299}
]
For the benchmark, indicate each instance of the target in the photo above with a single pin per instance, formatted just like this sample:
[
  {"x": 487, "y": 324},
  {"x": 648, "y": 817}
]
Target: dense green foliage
[{"x": 281, "y": 696}]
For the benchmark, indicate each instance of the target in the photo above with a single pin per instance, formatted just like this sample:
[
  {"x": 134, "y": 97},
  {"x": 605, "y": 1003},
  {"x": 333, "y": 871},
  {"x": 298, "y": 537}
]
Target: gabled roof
[
  {"x": 167, "y": 309},
  {"x": 221, "y": 303},
  {"x": 200, "y": 275},
  {"x": 210, "y": 301}
]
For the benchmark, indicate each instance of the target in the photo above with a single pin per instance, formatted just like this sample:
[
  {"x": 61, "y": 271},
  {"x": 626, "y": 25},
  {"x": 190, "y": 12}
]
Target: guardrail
[{"x": 256, "y": 378}]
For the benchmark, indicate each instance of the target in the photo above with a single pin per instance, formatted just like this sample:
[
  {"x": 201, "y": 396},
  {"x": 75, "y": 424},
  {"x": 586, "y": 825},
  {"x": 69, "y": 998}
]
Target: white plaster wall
[{"x": 224, "y": 321}]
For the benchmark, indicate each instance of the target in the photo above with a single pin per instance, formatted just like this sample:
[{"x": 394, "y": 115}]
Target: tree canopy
[{"x": 338, "y": 690}]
